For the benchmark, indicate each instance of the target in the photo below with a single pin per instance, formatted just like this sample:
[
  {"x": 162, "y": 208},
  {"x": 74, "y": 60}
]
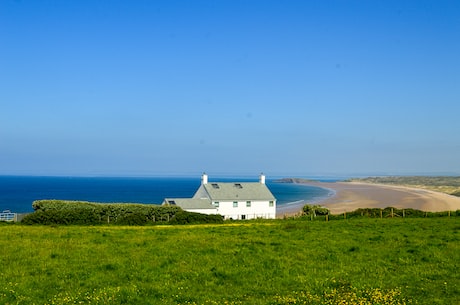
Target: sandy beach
[{"x": 349, "y": 196}]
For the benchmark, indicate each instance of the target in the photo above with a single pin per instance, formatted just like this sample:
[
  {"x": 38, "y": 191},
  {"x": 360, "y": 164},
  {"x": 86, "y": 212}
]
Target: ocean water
[{"x": 18, "y": 192}]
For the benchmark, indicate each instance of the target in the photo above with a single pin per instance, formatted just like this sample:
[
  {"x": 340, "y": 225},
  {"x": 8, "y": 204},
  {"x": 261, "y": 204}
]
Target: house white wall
[
  {"x": 257, "y": 209},
  {"x": 203, "y": 211}
]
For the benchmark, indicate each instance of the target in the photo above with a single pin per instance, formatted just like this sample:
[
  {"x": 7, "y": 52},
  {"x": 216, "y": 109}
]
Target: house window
[
  {"x": 271, "y": 203},
  {"x": 216, "y": 204},
  {"x": 235, "y": 204},
  {"x": 248, "y": 204}
]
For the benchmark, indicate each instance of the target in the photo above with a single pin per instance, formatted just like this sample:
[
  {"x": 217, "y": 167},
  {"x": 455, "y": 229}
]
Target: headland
[{"x": 349, "y": 196}]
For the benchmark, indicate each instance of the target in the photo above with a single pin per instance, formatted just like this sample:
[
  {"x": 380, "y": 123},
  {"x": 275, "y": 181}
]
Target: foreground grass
[{"x": 362, "y": 261}]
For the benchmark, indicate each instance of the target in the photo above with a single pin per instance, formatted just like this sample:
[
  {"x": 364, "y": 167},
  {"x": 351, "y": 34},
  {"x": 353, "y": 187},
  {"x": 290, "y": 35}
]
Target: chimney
[
  {"x": 204, "y": 178},
  {"x": 262, "y": 178}
]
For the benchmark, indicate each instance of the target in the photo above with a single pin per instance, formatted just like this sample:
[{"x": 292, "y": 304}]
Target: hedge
[
  {"x": 392, "y": 212},
  {"x": 91, "y": 213},
  {"x": 184, "y": 217}
]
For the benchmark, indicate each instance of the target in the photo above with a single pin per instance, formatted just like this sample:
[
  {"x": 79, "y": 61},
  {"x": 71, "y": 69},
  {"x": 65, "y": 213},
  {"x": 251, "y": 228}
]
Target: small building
[
  {"x": 232, "y": 200},
  {"x": 7, "y": 215}
]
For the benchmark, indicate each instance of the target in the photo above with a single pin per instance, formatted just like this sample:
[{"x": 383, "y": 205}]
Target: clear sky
[{"x": 299, "y": 88}]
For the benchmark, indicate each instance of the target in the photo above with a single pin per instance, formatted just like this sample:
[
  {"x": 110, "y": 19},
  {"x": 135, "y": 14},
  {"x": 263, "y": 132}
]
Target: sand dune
[{"x": 350, "y": 196}]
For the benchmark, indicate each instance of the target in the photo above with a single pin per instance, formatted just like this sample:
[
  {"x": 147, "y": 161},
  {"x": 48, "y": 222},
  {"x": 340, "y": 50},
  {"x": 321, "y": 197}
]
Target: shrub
[
  {"x": 90, "y": 213},
  {"x": 184, "y": 217},
  {"x": 62, "y": 217},
  {"x": 45, "y": 205},
  {"x": 133, "y": 219},
  {"x": 315, "y": 210}
]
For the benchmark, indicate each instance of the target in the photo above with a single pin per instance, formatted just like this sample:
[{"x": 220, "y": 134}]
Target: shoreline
[{"x": 349, "y": 196}]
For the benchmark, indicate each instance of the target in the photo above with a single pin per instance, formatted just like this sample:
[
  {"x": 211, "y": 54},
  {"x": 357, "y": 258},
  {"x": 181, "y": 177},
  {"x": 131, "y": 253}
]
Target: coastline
[
  {"x": 294, "y": 208},
  {"x": 349, "y": 196}
]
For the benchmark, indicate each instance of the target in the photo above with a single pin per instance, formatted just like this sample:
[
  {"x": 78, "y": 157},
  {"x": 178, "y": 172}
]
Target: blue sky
[{"x": 229, "y": 87}]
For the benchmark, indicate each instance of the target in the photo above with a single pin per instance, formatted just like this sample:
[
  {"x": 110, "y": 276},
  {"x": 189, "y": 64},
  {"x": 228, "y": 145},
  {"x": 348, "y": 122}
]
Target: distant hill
[
  {"x": 445, "y": 184},
  {"x": 294, "y": 180}
]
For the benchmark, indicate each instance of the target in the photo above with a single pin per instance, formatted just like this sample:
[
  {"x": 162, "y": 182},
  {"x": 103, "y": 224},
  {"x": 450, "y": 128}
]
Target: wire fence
[{"x": 388, "y": 212}]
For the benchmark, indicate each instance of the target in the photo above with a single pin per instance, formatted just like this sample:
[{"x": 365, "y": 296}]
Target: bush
[
  {"x": 62, "y": 217},
  {"x": 184, "y": 217},
  {"x": 90, "y": 213},
  {"x": 133, "y": 219},
  {"x": 375, "y": 213},
  {"x": 45, "y": 205},
  {"x": 315, "y": 210}
]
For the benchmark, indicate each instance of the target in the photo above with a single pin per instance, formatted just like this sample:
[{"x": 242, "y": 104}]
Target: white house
[
  {"x": 232, "y": 200},
  {"x": 8, "y": 216}
]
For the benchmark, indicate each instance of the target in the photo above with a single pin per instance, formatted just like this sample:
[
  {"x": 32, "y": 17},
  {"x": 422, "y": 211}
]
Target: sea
[{"x": 18, "y": 192}]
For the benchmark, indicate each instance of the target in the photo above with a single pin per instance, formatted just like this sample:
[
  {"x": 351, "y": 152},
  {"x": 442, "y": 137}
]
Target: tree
[{"x": 314, "y": 210}]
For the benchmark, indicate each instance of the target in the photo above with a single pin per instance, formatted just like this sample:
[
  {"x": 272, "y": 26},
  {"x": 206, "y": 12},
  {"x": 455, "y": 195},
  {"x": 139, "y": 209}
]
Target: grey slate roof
[
  {"x": 190, "y": 203},
  {"x": 234, "y": 191}
]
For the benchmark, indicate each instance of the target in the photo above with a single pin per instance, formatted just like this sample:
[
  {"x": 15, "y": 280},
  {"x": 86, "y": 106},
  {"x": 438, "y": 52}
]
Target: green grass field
[{"x": 357, "y": 261}]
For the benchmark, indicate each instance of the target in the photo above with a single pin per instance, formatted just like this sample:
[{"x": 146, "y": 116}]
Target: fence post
[
  {"x": 381, "y": 213},
  {"x": 327, "y": 217},
  {"x": 344, "y": 215},
  {"x": 404, "y": 214}
]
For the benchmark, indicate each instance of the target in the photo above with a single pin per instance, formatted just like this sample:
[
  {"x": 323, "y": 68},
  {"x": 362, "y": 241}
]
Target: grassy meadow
[{"x": 293, "y": 261}]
